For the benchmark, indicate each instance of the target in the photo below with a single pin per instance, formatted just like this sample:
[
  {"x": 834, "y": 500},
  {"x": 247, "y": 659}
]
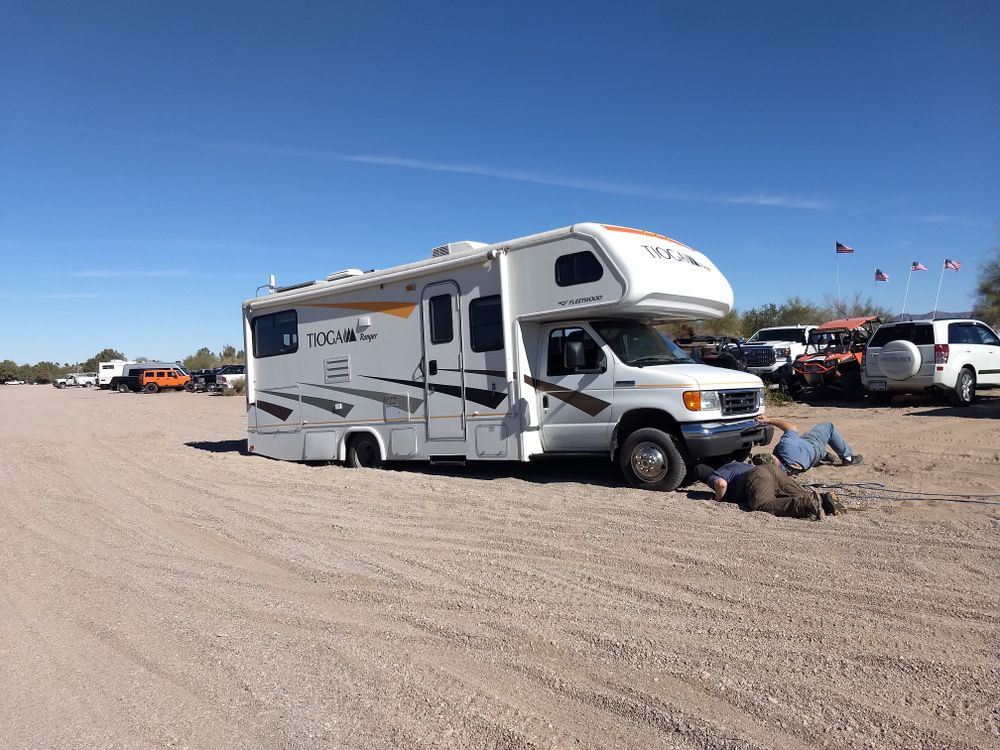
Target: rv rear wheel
[
  {"x": 151, "y": 388},
  {"x": 650, "y": 460},
  {"x": 122, "y": 388},
  {"x": 363, "y": 452}
]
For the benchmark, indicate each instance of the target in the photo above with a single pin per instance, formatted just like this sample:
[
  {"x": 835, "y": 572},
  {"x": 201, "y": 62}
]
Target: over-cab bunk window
[
  {"x": 277, "y": 333},
  {"x": 578, "y": 268},
  {"x": 485, "y": 324}
]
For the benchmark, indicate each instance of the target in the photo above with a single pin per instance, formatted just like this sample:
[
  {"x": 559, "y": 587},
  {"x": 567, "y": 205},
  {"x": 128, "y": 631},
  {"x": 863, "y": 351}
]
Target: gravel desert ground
[{"x": 161, "y": 588}]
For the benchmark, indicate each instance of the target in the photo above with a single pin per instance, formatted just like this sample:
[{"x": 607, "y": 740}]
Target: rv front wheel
[
  {"x": 363, "y": 452},
  {"x": 650, "y": 460}
]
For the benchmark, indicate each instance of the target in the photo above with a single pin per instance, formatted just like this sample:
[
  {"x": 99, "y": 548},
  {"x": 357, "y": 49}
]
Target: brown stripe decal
[
  {"x": 578, "y": 399},
  {"x": 274, "y": 410}
]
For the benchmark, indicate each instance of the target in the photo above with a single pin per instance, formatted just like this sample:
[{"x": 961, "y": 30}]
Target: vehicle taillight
[
  {"x": 940, "y": 354},
  {"x": 221, "y": 380}
]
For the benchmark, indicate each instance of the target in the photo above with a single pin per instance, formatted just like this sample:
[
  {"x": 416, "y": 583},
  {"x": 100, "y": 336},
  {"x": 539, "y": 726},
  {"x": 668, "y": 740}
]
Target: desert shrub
[{"x": 236, "y": 389}]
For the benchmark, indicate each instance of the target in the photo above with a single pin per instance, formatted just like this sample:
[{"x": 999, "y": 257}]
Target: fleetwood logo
[
  {"x": 580, "y": 300},
  {"x": 345, "y": 336}
]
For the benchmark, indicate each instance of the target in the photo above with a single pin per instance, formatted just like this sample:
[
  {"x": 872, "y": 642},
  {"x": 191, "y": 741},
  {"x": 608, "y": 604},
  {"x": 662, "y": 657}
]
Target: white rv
[
  {"x": 537, "y": 346},
  {"x": 108, "y": 370}
]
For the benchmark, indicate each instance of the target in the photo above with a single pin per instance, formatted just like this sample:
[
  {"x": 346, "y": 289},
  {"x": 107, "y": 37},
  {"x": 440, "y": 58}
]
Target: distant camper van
[{"x": 539, "y": 346}]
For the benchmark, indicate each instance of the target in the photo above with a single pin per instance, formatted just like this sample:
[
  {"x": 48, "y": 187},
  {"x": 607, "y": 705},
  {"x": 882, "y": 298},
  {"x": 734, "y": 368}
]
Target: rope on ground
[{"x": 878, "y": 491}]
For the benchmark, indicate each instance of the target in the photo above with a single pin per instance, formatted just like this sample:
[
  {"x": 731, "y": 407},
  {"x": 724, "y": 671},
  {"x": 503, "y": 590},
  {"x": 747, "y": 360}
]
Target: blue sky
[{"x": 158, "y": 161}]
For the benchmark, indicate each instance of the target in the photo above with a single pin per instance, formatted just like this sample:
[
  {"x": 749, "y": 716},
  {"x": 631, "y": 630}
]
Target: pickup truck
[
  {"x": 80, "y": 379},
  {"x": 221, "y": 378},
  {"x": 770, "y": 351}
]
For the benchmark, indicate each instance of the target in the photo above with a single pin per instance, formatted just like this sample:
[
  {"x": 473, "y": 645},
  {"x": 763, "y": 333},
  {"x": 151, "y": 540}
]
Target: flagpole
[
  {"x": 907, "y": 292},
  {"x": 876, "y": 291},
  {"x": 938, "y": 295},
  {"x": 838, "y": 284}
]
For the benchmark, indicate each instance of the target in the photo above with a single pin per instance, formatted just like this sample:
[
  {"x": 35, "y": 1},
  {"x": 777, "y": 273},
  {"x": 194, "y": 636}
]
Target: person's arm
[
  {"x": 719, "y": 485},
  {"x": 782, "y": 424}
]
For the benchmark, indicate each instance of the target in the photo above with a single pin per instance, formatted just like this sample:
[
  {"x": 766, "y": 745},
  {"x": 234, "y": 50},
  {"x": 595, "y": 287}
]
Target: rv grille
[
  {"x": 759, "y": 357},
  {"x": 738, "y": 402},
  {"x": 337, "y": 370}
]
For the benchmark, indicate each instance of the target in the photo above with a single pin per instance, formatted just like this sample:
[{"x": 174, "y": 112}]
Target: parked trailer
[
  {"x": 539, "y": 346},
  {"x": 110, "y": 369}
]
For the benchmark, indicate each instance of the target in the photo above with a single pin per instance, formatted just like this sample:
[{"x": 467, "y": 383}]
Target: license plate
[{"x": 877, "y": 385}]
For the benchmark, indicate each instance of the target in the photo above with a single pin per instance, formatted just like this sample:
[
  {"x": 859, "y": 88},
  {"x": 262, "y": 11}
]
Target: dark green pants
[{"x": 770, "y": 490}]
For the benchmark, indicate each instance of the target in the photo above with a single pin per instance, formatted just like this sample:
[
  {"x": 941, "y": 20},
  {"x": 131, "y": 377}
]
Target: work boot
[
  {"x": 854, "y": 460},
  {"x": 828, "y": 460},
  {"x": 831, "y": 503}
]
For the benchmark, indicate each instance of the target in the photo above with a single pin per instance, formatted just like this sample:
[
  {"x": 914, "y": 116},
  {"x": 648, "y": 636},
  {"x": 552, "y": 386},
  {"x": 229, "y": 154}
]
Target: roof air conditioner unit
[
  {"x": 345, "y": 274},
  {"x": 456, "y": 247}
]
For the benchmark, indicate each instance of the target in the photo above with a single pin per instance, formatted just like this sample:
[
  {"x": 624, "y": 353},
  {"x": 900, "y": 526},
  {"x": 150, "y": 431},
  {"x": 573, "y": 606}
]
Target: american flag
[
  {"x": 954, "y": 265},
  {"x": 879, "y": 276},
  {"x": 917, "y": 266},
  {"x": 844, "y": 248}
]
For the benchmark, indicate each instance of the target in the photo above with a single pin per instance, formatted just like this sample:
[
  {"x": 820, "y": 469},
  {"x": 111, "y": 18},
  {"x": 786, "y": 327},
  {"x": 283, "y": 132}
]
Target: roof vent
[
  {"x": 345, "y": 274},
  {"x": 456, "y": 247}
]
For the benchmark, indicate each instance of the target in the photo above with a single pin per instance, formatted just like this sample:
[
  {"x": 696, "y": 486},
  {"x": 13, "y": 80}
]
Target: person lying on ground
[
  {"x": 798, "y": 453},
  {"x": 766, "y": 488}
]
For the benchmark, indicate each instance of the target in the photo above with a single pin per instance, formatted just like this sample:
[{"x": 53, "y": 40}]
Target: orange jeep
[
  {"x": 832, "y": 360},
  {"x": 152, "y": 381}
]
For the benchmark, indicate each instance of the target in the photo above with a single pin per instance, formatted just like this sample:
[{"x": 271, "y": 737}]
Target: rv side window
[
  {"x": 277, "y": 333},
  {"x": 440, "y": 308},
  {"x": 578, "y": 268},
  {"x": 485, "y": 324}
]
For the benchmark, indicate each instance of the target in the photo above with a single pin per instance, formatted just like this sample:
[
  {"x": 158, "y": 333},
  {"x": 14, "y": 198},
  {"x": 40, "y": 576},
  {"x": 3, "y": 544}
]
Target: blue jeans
[{"x": 825, "y": 434}]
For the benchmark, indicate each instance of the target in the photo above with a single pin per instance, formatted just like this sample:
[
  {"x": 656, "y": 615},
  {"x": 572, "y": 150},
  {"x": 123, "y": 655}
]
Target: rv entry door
[{"x": 444, "y": 379}]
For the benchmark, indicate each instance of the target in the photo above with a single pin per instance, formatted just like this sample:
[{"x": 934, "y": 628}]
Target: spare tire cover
[{"x": 899, "y": 359}]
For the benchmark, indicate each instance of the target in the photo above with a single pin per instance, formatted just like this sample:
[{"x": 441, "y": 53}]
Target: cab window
[
  {"x": 277, "y": 333},
  {"x": 593, "y": 357}
]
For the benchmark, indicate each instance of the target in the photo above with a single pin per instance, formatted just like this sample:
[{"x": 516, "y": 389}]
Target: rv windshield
[{"x": 638, "y": 344}]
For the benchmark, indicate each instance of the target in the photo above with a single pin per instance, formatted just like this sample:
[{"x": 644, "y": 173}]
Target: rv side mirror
[{"x": 573, "y": 358}]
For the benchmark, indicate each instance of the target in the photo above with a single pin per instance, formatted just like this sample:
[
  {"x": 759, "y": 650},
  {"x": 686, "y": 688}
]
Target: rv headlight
[
  {"x": 701, "y": 400},
  {"x": 759, "y": 401}
]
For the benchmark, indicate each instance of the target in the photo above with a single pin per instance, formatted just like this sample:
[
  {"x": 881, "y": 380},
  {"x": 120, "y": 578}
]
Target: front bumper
[{"x": 708, "y": 439}]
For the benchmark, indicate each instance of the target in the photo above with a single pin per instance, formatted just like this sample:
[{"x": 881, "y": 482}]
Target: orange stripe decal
[
  {"x": 399, "y": 309},
  {"x": 644, "y": 233}
]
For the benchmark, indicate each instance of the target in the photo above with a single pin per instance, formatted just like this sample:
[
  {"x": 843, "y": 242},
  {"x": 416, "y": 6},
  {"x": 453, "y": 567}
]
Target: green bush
[{"x": 236, "y": 389}]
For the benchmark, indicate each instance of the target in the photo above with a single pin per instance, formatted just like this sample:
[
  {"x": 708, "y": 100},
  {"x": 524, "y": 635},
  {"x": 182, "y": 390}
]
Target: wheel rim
[
  {"x": 965, "y": 387},
  {"x": 648, "y": 462}
]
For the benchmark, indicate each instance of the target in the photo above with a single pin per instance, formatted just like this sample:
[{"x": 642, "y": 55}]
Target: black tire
[
  {"x": 189, "y": 387},
  {"x": 150, "y": 388},
  {"x": 965, "y": 389},
  {"x": 880, "y": 398},
  {"x": 650, "y": 460},
  {"x": 363, "y": 452},
  {"x": 122, "y": 388}
]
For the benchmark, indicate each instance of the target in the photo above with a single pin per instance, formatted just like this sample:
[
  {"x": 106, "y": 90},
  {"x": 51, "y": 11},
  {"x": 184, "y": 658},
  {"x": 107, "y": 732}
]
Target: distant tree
[
  {"x": 8, "y": 370},
  {"x": 102, "y": 356},
  {"x": 988, "y": 291},
  {"x": 759, "y": 317},
  {"x": 232, "y": 357},
  {"x": 202, "y": 359},
  {"x": 45, "y": 372},
  {"x": 856, "y": 307}
]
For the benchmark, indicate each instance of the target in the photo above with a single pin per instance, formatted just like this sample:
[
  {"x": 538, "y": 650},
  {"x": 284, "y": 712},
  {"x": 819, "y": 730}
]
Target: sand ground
[{"x": 160, "y": 588}]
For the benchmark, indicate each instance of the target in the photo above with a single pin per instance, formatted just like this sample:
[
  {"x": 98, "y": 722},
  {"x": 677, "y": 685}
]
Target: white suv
[{"x": 954, "y": 356}]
